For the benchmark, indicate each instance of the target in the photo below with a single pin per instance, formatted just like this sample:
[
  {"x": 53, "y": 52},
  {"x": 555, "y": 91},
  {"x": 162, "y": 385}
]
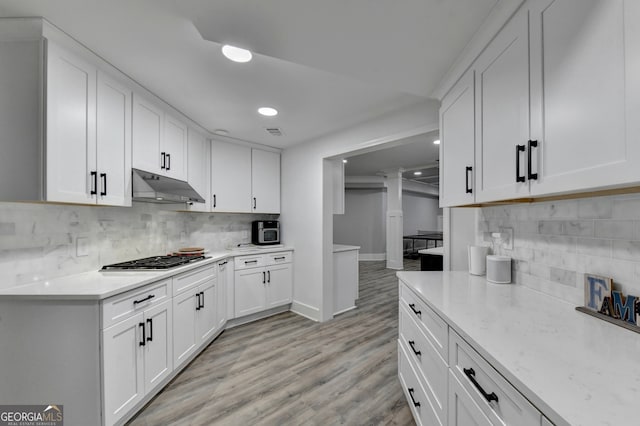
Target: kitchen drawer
[
  {"x": 192, "y": 278},
  {"x": 511, "y": 408},
  {"x": 434, "y": 327},
  {"x": 427, "y": 361},
  {"x": 123, "y": 306},
  {"x": 423, "y": 412},
  {"x": 280, "y": 257},
  {"x": 249, "y": 261}
]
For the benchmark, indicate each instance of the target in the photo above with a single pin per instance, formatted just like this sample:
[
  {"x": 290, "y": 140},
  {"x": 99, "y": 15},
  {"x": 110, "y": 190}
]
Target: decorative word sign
[{"x": 602, "y": 301}]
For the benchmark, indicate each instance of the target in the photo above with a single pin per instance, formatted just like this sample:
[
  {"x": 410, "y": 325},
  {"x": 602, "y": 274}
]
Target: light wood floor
[{"x": 288, "y": 370}]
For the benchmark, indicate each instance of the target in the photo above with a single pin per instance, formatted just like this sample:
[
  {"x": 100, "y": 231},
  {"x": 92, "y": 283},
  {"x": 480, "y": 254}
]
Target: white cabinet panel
[
  {"x": 147, "y": 135},
  {"x": 198, "y": 168},
  {"x": 457, "y": 143},
  {"x": 71, "y": 128},
  {"x": 113, "y": 142},
  {"x": 230, "y": 177},
  {"x": 123, "y": 368},
  {"x": 158, "y": 348},
  {"x": 174, "y": 147},
  {"x": 224, "y": 268},
  {"x": 207, "y": 315},
  {"x": 250, "y": 292},
  {"x": 462, "y": 410},
  {"x": 185, "y": 337},
  {"x": 502, "y": 112},
  {"x": 279, "y": 285},
  {"x": 265, "y": 181}
]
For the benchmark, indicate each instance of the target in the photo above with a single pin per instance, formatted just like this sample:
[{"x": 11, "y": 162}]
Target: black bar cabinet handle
[
  {"x": 214, "y": 200},
  {"x": 413, "y": 347},
  {"x": 469, "y": 190},
  {"x": 168, "y": 161},
  {"x": 269, "y": 276},
  {"x": 103, "y": 182},
  {"x": 197, "y": 301},
  {"x": 246, "y": 262},
  {"x": 163, "y": 164},
  {"x": 254, "y": 203},
  {"x": 223, "y": 263},
  {"x": 202, "y": 299},
  {"x": 532, "y": 176},
  {"x": 519, "y": 149},
  {"x": 471, "y": 374},
  {"x": 150, "y": 322},
  {"x": 415, "y": 403},
  {"x": 149, "y": 297},
  {"x": 144, "y": 338},
  {"x": 264, "y": 277},
  {"x": 413, "y": 308},
  {"x": 279, "y": 258},
  {"x": 94, "y": 183}
]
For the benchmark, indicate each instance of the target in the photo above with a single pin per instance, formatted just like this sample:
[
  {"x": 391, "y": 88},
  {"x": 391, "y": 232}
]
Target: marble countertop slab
[
  {"x": 438, "y": 251},
  {"x": 337, "y": 248},
  {"x": 97, "y": 285},
  {"x": 576, "y": 369}
]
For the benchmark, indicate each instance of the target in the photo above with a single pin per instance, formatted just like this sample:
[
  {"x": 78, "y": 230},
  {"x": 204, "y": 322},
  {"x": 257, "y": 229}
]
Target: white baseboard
[
  {"x": 306, "y": 311},
  {"x": 368, "y": 257}
]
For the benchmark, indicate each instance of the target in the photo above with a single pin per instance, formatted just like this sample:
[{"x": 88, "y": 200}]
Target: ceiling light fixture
[
  {"x": 236, "y": 54},
  {"x": 344, "y": 160},
  {"x": 436, "y": 142},
  {"x": 417, "y": 173},
  {"x": 268, "y": 111},
  {"x": 221, "y": 132}
]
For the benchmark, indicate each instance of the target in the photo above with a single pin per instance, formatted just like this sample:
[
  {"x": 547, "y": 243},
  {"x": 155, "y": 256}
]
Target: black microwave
[{"x": 264, "y": 232}]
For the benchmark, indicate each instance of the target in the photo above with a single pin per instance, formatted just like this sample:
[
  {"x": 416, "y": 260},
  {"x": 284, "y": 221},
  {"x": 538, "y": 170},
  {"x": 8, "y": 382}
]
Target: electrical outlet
[
  {"x": 82, "y": 246},
  {"x": 507, "y": 238}
]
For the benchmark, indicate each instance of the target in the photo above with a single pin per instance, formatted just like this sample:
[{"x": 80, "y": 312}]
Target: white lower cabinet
[
  {"x": 462, "y": 410},
  {"x": 136, "y": 357},
  {"x": 262, "y": 282}
]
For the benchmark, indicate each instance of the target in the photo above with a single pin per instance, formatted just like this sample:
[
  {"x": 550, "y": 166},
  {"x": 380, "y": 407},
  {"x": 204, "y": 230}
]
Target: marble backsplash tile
[
  {"x": 39, "y": 241},
  {"x": 555, "y": 243}
]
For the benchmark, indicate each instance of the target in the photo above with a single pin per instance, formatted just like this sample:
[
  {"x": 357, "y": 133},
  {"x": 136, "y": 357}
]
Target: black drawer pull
[
  {"x": 413, "y": 308},
  {"x": 413, "y": 347},
  {"x": 149, "y": 297},
  {"x": 279, "y": 258},
  {"x": 472, "y": 376},
  {"x": 144, "y": 338},
  {"x": 150, "y": 322},
  {"x": 223, "y": 263},
  {"x": 246, "y": 262},
  {"x": 468, "y": 188},
  {"x": 519, "y": 149},
  {"x": 415, "y": 403},
  {"x": 532, "y": 176}
]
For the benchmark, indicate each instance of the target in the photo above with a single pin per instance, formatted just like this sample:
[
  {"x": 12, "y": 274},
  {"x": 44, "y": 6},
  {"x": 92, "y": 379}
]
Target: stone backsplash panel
[{"x": 39, "y": 241}]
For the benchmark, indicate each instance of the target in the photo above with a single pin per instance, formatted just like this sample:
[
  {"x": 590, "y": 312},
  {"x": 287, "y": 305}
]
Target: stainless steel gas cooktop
[{"x": 152, "y": 263}]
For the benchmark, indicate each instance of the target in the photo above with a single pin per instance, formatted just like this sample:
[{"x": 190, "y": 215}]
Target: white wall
[
  {"x": 420, "y": 213},
  {"x": 306, "y": 224},
  {"x": 363, "y": 223}
]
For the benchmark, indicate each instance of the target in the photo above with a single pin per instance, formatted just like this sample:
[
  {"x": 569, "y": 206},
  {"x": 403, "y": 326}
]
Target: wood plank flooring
[{"x": 288, "y": 370}]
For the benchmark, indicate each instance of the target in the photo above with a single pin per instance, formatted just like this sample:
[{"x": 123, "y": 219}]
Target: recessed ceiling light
[
  {"x": 268, "y": 111},
  {"x": 436, "y": 142},
  {"x": 344, "y": 160},
  {"x": 417, "y": 173},
  {"x": 236, "y": 54},
  {"x": 221, "y": 132}
]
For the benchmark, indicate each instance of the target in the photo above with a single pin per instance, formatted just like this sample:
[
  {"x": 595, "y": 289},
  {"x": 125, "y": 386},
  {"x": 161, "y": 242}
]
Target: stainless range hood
[{"x": 154, "y": 188}]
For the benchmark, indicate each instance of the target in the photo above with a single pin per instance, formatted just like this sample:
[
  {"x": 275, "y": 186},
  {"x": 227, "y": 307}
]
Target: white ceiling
[{"x": 325, "y": 65}]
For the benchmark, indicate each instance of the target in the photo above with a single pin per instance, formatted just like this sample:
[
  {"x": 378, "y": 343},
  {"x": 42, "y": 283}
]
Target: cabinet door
[
  {"x": 265, "y": 181},
  {"x": 185, "y": 339},
  {"x": 123, "y": 367},
  {"x": 207, "y": 315},
  {"x": 223, "y": 268},
  {"x": 230, "y": 177},
  {"x": 462, "y": 410},
  {"x": 174, "y": 145},
  {"x": 250, "y": 291},
  {"x": 71, "y": 128},
  {"x": 198, "y": 168},
  {"x": 457, "y": 143},
  {"x": 502, "y": 112},
  {"x": 113, "y": 138},
  {"x": 158, "y": 349},
  {"x": 279, "y": 285},
  {"x": 583, "y": 94},
  {"x": 147, "y": 136}
]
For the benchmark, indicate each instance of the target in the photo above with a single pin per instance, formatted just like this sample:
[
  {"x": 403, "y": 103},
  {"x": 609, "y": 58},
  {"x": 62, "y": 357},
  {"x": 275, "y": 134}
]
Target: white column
[{"x": 394, "y": 219}]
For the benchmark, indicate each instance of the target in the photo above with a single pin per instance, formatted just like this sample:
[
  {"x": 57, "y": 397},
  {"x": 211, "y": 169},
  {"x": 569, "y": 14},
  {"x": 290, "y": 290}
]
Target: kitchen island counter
[{"x": 574, "y": 368}]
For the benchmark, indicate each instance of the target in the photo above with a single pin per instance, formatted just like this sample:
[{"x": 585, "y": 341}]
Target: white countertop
[
  {"x": 337, "y": 248},
  {"x": 97, "y": 285},
  {"x": 438, "y": 251},
  {"x": 577, "y": 369}
]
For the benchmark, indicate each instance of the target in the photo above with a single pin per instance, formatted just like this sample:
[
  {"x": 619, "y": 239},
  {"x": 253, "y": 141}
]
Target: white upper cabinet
[
  {"x": 585, "y": 59},
  {"x": 71, "y": 128},
  {"x": 457, "y": 143},
  {"x": 230, "y": 177},
  {"x": 198, "y": 168},
  {"x": 174, "y": 148},
  {"x": 265, "y": 181},
  {"x": 147, "y": 136},
  {"x": 502, "y": 113},
  {"x": 113, "y": 142}
]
